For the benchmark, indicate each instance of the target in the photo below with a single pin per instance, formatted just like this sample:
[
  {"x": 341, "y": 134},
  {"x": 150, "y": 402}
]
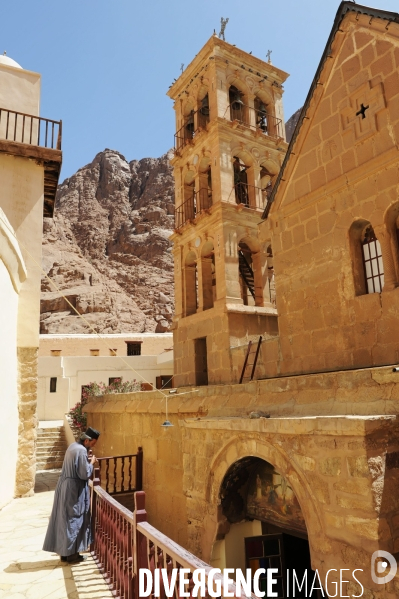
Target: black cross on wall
[{"x": 362, "y": 111}]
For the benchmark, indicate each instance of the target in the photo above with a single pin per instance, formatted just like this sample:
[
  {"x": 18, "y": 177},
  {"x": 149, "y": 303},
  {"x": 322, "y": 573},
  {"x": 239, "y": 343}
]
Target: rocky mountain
[
  {"x": 107, "y": 248},
  {"x": 291, "y": 124}
]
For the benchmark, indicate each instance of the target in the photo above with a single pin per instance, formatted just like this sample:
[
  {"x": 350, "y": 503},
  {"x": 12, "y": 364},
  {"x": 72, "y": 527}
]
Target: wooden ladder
[{"x": 247, "y": 364}]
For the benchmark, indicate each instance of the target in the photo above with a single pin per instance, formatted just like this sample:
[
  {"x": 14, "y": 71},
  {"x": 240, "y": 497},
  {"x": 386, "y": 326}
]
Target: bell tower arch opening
[{"x": 263, "y": 525}]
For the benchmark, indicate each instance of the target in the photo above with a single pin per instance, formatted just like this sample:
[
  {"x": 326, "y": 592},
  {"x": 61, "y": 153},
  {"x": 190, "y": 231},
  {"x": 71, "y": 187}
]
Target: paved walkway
[{"x": 26, "y": 572}]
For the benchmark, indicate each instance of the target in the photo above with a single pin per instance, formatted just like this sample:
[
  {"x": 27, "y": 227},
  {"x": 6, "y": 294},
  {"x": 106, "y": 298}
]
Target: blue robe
[{"x": 69, "y": 529}]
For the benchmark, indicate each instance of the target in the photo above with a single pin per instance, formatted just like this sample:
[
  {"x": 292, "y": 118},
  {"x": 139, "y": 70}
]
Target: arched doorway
[{"x": 264, "y": 527}]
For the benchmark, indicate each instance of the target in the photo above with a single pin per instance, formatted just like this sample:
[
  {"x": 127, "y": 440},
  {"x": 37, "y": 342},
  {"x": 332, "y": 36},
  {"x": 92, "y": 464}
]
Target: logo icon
[{"x": 380, "y": 561}]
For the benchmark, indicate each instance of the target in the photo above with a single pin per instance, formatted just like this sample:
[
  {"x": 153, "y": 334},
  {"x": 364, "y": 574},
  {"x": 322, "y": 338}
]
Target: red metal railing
[
  {"x": 255, "y": 119},
  {"x": 195, "y": 122},
  {"x": 30, "y": 129},
  {"x": 200, "y": 201},
  {"x": 121, "y": 473},
  {"x": 124, "y": 542}
]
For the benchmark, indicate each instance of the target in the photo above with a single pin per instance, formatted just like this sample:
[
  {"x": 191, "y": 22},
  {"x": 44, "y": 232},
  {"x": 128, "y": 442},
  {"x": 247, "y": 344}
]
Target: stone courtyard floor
[{"x": 26, "y": 572}]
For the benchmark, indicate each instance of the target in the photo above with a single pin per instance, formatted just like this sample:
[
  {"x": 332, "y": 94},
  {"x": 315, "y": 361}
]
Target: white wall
[
  {"x": 8, "y": 386},
  {"x": 230, "y": 551},
  {"x": 74, "y": 372},
  {"x": 80, "y": 345}
]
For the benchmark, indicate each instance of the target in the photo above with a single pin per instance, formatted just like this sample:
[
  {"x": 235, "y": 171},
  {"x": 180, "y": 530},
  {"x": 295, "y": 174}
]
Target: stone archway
[{"x": 254, "y": 446}]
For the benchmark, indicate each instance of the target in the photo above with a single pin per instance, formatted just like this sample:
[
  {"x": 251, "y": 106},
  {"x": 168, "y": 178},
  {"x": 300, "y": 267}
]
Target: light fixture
[{"x": 167, "y": 423}]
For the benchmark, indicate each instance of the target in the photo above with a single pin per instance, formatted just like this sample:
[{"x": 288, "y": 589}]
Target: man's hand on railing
[{"x": 93, "y": 459}]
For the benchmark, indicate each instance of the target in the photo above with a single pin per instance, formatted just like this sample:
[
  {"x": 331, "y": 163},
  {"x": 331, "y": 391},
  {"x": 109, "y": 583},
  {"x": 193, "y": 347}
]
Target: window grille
[
  {"x": 133, "y": 349},
  {"x": 373, "y": 265}
]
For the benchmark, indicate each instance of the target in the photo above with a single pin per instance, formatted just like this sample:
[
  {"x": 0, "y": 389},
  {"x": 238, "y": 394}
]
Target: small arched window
[{"x": 372, "y": 261}]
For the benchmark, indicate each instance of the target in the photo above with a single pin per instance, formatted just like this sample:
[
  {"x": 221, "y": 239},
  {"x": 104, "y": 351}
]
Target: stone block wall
[
  {"x": 343, "y": 171},
  {"x": 343, "y": 469},
  {"x": 27, "y": 429}
]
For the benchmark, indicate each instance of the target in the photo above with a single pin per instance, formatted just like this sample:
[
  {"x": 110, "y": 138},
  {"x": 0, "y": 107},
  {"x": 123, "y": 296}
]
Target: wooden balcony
[{"x": 34, "y": 137}]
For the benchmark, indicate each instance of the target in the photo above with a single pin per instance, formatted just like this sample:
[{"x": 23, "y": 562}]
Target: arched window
[
  {"x": 189, "y": 204},
  {"x": 265, "y": 184},
  {"x": 208, "y": 275},
  {"x": 238, "y": 109},
  {"x": 190, "y": 281},
  {"x": 241, "y": 181},
  {"x": 247, "y": 277},
  {"x": 372, "y": 261},
  {"x": 367, "y": 262},
  {"x": 203, "y": 113},
  {"x": 205, "y": 184},
  {"x": 261, "y": 115}
]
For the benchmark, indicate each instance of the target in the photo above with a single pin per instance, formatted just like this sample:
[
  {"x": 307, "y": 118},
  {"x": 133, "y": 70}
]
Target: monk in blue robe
[{"x": 69, "y": 529}]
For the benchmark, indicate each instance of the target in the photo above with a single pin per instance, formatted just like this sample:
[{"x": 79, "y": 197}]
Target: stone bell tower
[{"x": 229, "y": 146}]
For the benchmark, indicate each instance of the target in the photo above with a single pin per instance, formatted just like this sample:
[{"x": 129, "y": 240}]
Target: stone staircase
[{"x": 51, "y": 445}]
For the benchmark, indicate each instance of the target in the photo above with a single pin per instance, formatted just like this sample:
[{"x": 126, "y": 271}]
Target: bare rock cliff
[{"x": 107, "y": 248}]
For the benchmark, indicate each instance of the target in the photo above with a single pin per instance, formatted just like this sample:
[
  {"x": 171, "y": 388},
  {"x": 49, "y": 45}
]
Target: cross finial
[
  {"x": 223, "y": 23},
  {"x": 4, "y": 53},
  {"x": 268, "y": 56},
  {"x": 182, "y": 67}
]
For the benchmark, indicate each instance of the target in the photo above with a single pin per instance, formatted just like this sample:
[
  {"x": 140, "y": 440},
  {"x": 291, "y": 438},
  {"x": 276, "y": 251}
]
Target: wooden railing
[
  {"x": 121, "y": 473},
  {"x": 30, "y": 129},
  {"x": 124, "y": 542}
]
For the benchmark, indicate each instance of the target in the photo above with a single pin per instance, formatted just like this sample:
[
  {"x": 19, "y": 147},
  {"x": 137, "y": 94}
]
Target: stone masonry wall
[
  {"x": 27, "y": 430},
  {"x": 344, "y": 170},
  {"x": 337, "y": 465}
]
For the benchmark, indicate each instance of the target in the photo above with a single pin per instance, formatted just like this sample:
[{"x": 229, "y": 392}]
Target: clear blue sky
[{"x": 106, "y": 65}]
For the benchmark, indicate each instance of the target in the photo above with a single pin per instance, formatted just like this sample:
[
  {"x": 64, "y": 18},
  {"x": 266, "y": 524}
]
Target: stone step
[
  {"x": 48, "y": 442},
  {"x": 50, "y": 448},
  {"x": 48, "y": 465},
  {"x": 59, "y": 455},
  {"x": 50, "y": 428}
]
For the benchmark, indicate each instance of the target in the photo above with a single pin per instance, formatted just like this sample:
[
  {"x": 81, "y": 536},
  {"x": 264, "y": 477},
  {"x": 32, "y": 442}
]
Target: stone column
[{"x": 384, "y": 238}]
